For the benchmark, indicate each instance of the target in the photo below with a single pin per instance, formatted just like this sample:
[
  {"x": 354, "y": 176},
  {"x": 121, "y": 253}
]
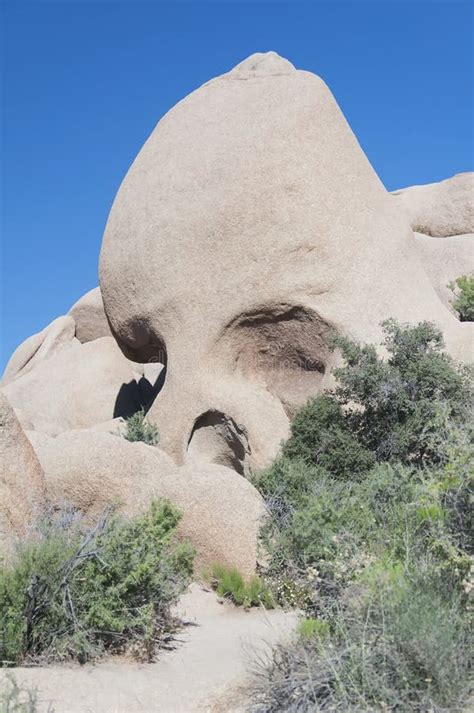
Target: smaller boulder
[
  {"x": 91, "y": 471},
  {"x": 22, "y": 483},
  {"x": 41, "y": 346},
  {"x": 80, "y": 386},
  {"x": 445, "y": 261},
  {"x": 89, "y": 316},
  {"x": 440, "y": 209},
  {"x": 222, "y": 515}
]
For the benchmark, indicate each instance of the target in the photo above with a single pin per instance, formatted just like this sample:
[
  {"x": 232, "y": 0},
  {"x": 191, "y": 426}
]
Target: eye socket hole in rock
[
  {"x": 217, "y": 438},
  {"x": 283, "y": 346},
  {"x": 141, "y": 342},
  {"x": 153, "y": 351}
]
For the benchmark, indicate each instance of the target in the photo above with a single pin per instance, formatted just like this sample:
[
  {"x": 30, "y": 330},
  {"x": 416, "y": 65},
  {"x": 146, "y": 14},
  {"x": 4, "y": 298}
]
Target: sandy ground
[{"x": 206, "y": 671}]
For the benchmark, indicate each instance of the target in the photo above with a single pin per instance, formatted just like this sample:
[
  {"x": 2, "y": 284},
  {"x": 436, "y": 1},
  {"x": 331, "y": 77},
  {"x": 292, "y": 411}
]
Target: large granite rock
[
  {"x": 89, "y": 316},
  {"x": 249, "y": 227},
  {"x": 90, "y": 470},
  {"x": 445, "y": 260},
  {"x": 41, "y": 346},
  {"x": 78, "y": 387},
  {"x": 22, "y": 484},
  {"x": 440, "y": 209}
]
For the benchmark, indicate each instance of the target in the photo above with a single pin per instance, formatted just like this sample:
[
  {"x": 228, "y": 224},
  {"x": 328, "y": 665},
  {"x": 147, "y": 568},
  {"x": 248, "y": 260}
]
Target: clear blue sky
[{"x": 85, "y": 83}]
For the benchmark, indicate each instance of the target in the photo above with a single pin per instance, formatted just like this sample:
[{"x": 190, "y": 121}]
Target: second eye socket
[{"x": 284, "y": 346}]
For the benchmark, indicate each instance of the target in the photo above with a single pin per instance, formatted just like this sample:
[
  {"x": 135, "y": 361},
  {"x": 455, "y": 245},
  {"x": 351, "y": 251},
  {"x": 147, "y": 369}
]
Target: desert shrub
[
  {"x": 17, "y": 699},
  {"x": 456, "y": 485},
  {"x": 286, "y": 484},
  {"x": 320, "y": 435},
  {"x": 313, "y": 628},
  {"x": 392, "y": 405},
  {"x": 396, "y": 481},
  {"x": 371, "y": 533},
  {"x": 75, "y": 594},
  {"x": 139, "y": 429},
  {"x": 403, "y": 647},
  {"x": 383, "y": 409},
  {"x": 327, "y": 541},
  {"x": 229, "y": 583},
  {"x": 381, "y": 569},
  {"x": 463, "y": 303}
]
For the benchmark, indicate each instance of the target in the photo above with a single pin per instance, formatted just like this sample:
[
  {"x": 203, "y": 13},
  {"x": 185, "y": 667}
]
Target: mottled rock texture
[
  {"x": 22, "y": 484},
  {"x": 89, "y": 316},
  {"x": 79, "y": 386},
  {"x": 92, "y": 470},
  {"x": 249, "y": 227},
  {"x": 440, "y": 209}
]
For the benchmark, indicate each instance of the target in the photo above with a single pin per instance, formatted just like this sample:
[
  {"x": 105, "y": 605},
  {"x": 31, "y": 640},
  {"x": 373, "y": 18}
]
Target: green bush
[
  {"x": 393, "y": 405},
  {"x": 229, "y": 583},
  {"x": 456, "y": 485},
  {"x": 326, "y": 541},
  {"x": 403, "y": 648},
  {"x": 287, "y": 483},
  {"x": 16, "y": 699},
  {"x": 383, "y": 409},
  {"x": 382, "y": 565},
  {"x": 76, "y": 594},
  {"x": 320, "y": 435},
  {"x": 313, "y": 628},
  {"x": 463, "y": 289},
  {"x": 371, "y": 533},
  {"x": 139, "y": 429}
]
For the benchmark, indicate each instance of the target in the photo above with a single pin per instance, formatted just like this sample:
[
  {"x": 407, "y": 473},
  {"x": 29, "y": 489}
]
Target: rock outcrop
[
  {"x": 39, "y": 347},
  {"x": 89, "y": 316},
  {"x": 249, "y": 229},
  {"x": 22, "y": 484},
  {"x": 440, "y": 209},
  {"x": 445, "y": 260},
  {"x": 93, "y": 470},
  {"x": 222, "y": 515},
  {"x": 250, "y": 226},
  {"x": 79, "y": 386}
]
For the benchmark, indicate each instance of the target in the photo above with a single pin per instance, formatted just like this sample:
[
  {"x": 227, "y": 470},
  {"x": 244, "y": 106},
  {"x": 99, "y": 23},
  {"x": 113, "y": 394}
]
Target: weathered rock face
[
  {"x": 440, "y": 209},
  {"x": 79, "y": 386},
  {"x": 445, "y": 260},
  {"x": 91, "y": 470},
  {"x": 89, "y": 317},
  {"x": 39, "y": 347},
  {"x": 22, "y": 485},
  {"x": 443, "y": 210},
  {"x": 85, "y": 322},
  {"x": 249, "y": 227},
  {"x": 222, "y": 515}
]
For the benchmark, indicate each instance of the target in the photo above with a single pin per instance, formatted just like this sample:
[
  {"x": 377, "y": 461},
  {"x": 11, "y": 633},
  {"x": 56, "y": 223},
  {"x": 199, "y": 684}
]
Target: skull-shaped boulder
[{"x": 249, "y": 227}]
